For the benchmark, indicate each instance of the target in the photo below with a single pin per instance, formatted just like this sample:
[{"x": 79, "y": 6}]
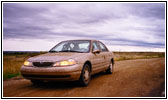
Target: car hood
[{"x": 53, "y": 57}]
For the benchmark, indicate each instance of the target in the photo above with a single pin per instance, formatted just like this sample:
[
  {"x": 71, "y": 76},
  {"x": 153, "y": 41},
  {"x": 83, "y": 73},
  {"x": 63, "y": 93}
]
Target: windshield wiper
[
  {"x": 71, "y": 51},
  {"x": 53, "y": 51}
]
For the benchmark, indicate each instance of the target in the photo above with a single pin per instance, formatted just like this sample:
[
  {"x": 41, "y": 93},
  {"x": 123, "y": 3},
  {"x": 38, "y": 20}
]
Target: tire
[
  {"x": 36, "y": 82},
  {"x": 85, "y": 75},
  {"x": 110, "y": 69}
]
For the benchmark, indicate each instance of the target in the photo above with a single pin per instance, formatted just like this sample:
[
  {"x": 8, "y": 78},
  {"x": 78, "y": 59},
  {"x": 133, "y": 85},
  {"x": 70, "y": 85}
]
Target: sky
[{"x": 120, "y": 26}]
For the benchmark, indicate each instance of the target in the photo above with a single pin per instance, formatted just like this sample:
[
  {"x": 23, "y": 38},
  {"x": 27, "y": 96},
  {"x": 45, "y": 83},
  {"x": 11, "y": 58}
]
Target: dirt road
[{"x": 131, "y": 78}]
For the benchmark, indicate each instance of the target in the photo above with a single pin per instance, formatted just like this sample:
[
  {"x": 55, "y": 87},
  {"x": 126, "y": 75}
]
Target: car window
[
  {"x": 60, "y": 47},
  {"x": 95, "y": 46},
  {"x": 84, "y": 46},
  {"x": 102, "y": 46},
  {"x": 72, "y": 46}
]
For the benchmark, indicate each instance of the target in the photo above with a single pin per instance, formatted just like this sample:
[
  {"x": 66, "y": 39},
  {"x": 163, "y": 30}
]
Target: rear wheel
[
  {"x": 85, "y": 75},
  {"x": 110, "y": 69}
]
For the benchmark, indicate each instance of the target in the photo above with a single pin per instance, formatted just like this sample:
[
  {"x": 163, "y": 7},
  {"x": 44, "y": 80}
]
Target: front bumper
[{"x": 68, "y": 73}]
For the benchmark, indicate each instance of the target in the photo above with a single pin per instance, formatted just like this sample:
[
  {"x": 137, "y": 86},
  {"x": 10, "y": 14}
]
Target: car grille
[{"x": 43, "y": 64}]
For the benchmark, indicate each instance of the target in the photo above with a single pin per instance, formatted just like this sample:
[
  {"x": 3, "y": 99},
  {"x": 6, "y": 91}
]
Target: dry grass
[
  {"x": 11, "y": 66},
  {"x": 137, "y": 55},
  {"x": 13, "y": 61}
]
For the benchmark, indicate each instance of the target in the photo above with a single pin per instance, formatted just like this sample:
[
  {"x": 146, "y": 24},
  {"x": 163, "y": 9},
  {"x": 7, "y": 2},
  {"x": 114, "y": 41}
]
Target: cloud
[{"x": 127, "y": 24}]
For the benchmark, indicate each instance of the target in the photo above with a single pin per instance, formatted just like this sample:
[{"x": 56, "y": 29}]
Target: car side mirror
[{"x": 96, "y": 51}]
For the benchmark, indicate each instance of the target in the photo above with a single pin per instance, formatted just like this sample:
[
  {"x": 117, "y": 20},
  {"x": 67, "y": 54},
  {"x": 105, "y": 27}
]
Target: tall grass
[
  {"x": 13, "y": 61},
  {"x": 137, "y": 55}
]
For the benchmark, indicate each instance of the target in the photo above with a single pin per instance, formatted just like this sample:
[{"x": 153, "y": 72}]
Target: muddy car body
[{"x": 69, "y": 60}]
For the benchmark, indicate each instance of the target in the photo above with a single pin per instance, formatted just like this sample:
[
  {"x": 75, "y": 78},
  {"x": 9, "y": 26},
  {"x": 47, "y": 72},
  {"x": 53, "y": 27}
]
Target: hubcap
[
  {"x": 111, "y": 67},
  {"x": 86, "y": 74}
]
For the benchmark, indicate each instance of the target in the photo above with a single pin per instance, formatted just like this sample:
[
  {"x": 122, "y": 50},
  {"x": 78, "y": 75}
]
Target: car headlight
[
  {"x": 27, "y": 63},
  {"x": 65, "y": 63}
]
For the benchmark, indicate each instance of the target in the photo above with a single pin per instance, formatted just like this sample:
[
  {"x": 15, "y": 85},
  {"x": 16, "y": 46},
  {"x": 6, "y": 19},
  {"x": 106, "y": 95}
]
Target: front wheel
[
  {"x": 110, "y": 69},
  {"x": 85, "y": 75}
]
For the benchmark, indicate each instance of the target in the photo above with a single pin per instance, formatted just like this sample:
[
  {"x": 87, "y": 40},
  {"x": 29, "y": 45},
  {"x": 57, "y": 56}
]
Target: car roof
[{"x": 82, "y": 40}]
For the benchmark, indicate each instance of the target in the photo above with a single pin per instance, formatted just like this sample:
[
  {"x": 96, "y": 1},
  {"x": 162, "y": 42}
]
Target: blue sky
[{"x": 121, "y": 26}]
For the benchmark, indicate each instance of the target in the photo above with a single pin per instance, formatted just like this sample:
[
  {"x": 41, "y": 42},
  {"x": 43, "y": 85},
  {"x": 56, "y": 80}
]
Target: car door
[
  {"x": 105, "y": 54},
  {"x": 97, "y": 58}
]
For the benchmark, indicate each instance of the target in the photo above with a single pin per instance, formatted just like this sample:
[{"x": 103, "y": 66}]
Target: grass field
[
  {"x": 13, "y": 61},
  {"x": 137, "y": 55}
]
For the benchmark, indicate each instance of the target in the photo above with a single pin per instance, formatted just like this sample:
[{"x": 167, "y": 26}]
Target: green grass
[
  {"x": 10, "y": 75},
  {"x": 13, "y": 61}
]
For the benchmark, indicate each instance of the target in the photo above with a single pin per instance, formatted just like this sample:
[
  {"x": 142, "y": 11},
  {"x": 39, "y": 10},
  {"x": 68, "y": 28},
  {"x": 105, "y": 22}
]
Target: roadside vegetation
[
  {"x": 12, "y": 61},
  {"x": 137, "y": 55}
]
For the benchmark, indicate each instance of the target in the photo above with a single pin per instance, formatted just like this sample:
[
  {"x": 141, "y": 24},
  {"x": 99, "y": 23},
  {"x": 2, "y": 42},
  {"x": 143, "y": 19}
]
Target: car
[{"x": 69, "y": 60}]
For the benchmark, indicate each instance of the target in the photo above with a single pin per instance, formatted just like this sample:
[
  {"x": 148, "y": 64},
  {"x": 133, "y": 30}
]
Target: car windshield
[{"x": 81, "y": 46}]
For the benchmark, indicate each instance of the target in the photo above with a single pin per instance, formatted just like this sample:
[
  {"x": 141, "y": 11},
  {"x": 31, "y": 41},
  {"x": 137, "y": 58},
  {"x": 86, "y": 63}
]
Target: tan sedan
[{"x": 69, "y": 60}]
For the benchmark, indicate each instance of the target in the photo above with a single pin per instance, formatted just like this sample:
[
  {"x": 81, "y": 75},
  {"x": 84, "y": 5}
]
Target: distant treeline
[
  {"x": 28, "y": 53},
  {"x": 32, "y": 53}
]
